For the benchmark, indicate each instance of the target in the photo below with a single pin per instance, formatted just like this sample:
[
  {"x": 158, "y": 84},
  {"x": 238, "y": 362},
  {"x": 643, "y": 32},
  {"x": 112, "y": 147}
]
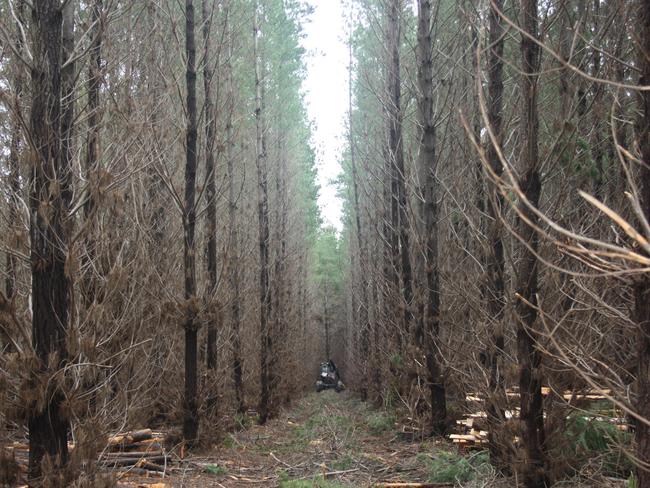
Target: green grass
[
  {"x": 452, "y": 467},
  {"x": 380, "y": 422},
  {"x": 345, "y": 462},
  {"x": 317, "y": 482},
  {"x": 242, "y": 421}
]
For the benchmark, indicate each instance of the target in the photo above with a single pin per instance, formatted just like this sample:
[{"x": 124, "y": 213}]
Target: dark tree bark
[
  {"x": 401, "y": 247},
  {"x": 92, "y": 138},
  {"x": 426, "y": 337},
  {"x": 263, "y": 220},
  {"x": 51, "y": 287},
  {"x": 494, "y": 289},
  {"x": 211, "y": 190},
  {"x": 190, "y": 401},
  {"x": 642, "y": 288},
  {"x": 530, "y": 380}
]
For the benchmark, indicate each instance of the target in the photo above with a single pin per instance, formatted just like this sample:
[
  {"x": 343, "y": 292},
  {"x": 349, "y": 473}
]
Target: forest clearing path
[{"x": 325, "y": 440}]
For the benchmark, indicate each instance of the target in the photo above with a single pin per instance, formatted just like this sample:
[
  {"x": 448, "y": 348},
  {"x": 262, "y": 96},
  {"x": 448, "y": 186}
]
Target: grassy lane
[{"x": 331, "y": 440}]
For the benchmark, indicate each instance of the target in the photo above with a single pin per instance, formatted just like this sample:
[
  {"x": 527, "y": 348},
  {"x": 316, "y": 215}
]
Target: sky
[{"x": 326, "y": 94}]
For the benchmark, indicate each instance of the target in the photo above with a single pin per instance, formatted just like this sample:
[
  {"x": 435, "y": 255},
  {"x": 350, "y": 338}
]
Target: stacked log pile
[
  {"x": 140, "y": 452},
  {"x": 472, "y": 430}
]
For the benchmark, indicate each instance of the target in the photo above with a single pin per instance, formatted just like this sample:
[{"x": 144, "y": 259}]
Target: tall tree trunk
[
  {"x": 233, "y": 232},
  {"x": 51, "y": 287},
  {"x": 530, "y": 381},
  {"x": 428, "y": 337},
  {"x": 280, "y": 305},
  {"x": 642, "y": 288},
  {"x": 214, "y": 307},
  {"x": 401, "y": 249},
  {"x": 363, "y": 325},
  {"x": 400, "y": 246},
  {"x": 92, "y": 139},
  {"x": 263, "y": 219},
  {"x": 326, "y": 321},
  {"x": 14, "y": 155},
  {"x": 494, "y": 289},
  {"x": 190, "y": 401},
  {"x": 211, "y": 189}
]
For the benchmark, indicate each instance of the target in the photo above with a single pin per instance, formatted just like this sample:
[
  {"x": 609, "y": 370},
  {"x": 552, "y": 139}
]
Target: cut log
[
  {"x": 131, "y": 461},
  {"x": 146, "y": 464},
  {"x": 130, "y": 437},
  {"x": 133, "y": 454}
]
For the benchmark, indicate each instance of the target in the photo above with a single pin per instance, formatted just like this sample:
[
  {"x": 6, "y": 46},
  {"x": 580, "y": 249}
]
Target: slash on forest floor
[{"x": 326, "y": 440}]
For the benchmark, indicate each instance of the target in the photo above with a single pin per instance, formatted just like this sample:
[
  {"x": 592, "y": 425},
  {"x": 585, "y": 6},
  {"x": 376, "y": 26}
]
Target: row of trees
[
  {"x": 498, "y": 166},
  {"x": 156, "y": 178}
]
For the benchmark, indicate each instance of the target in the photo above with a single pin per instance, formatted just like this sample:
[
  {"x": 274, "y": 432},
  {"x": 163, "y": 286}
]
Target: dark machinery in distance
[{"x": 329, "y": 377}]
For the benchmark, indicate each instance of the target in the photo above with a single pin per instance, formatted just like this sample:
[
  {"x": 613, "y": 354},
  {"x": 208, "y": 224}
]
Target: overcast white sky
[{"x": 326, "y": 89}]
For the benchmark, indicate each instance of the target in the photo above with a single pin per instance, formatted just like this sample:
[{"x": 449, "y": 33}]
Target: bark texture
[
  {"x": 51, "y": 287},
  {"x": 426, "y": 337},
  {"x": 530, "y": 380},
  {"x": 190, "y": 401}
]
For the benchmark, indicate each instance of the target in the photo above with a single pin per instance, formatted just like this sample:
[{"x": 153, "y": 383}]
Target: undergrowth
[
  {"x": 453, "y": 467},
  {"x": 316, "y": 482},
  {"x": 599, "y": 443},
  {"x": 380, "y": 422}
]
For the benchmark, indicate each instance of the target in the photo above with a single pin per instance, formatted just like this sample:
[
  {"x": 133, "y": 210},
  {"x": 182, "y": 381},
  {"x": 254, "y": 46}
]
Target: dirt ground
[{"x": 326, "y": 440}]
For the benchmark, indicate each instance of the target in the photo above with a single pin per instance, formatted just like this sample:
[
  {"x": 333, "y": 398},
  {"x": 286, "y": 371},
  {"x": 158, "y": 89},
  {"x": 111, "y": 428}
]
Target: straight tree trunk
[
  {"x": 282, "y": 304},
  {"x": 326, "y": 321},
  {"x": 14, "y": 155},
  {"x": 363, "y": 325},
  {"x": 51, "y": 287},
  {"x": 233, "y": 231},
  {"x": 263, "y": 220},
  {"x": 427, "y": 337},
  {"x": 530, "y": 381},
  {"x": 92, "y": 138},
  {"x": 190, "y": 401},
  {"x": 642, "y": 288},
  {"x": 401, "y": 247},
  {"x": 211, "y": 190},
  {"x": 494, "y": 290}
]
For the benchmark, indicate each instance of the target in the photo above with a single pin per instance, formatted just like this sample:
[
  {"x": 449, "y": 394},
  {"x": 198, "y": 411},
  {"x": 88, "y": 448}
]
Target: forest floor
[
  {"x": 334, "y": 440},
  {"x": 325, "y": 440}
]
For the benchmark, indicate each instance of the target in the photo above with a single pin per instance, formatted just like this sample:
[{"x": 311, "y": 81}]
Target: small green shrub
[
  {"x": 452, "y": 467},
  {"x": 242, "y": 421},
  {"x": 215, "y": 469},
  {"x": 594, "y": 439},
  {"x": 631, "y": 481},
  {"x": 228, "y": 442},
  {"x": 397, "y": 360},
  {"x": 380, "y": 422}
]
